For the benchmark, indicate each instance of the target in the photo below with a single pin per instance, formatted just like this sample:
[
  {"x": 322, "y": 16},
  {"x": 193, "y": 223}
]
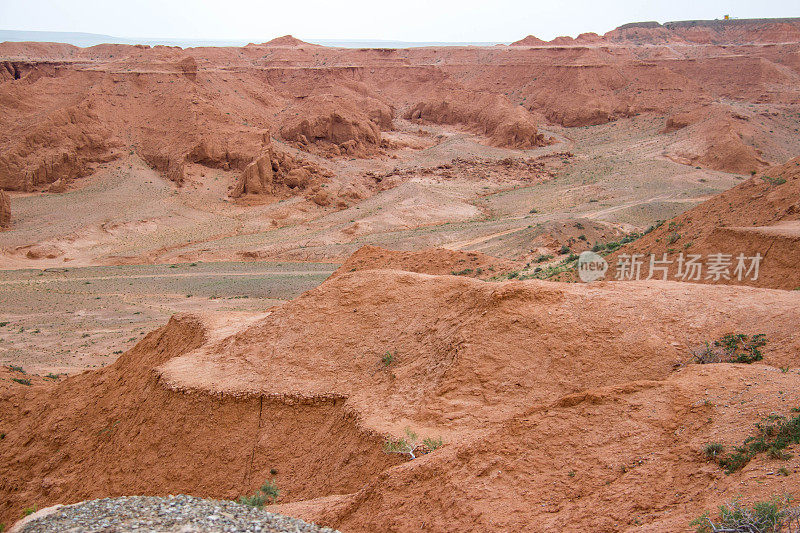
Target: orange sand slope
[
  {"x": 554, "y": 406},
  {"x": 428, "y": 261}
]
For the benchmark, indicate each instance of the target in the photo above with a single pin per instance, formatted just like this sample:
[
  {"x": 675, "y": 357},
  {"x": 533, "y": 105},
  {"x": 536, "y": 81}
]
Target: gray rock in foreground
[{"x": 185, "y": 514}]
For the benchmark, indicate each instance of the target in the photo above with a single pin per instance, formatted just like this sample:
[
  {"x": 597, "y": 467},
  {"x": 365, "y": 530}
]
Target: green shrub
[
  {"x": 410, "y": 444},
  {"x": 613, "y": 246},
  {"x": 774, "y": 181},
  {"x": 735, "y": 461},
  {"x": 713, "y": 449},
  {"x": 22, "y": 381},
  {"x": 654, "y": 227},
  {"x": 268, "y": 492},
  {"x": 432, "y": 444},
  {"x": 773, "y": 436},
  {"x": 388, "y": 358},
  {"x": 773, "y": 516},
  {"x": 743, "y": 349},
  {"x": 732, "y": 348},
  {"x": 407, "y": 444}
]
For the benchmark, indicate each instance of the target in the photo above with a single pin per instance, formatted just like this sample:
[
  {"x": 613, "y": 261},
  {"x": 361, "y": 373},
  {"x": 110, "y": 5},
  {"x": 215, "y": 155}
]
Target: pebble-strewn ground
[{"x": 185, "y": 514}]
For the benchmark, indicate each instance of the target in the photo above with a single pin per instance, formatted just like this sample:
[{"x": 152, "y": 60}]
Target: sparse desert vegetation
[
  {"x": 774, "y": 434},
  {"x": 731, "y": 348},
  {"x": 774, "y": 516},
  {"x": 266, "y": 494}
]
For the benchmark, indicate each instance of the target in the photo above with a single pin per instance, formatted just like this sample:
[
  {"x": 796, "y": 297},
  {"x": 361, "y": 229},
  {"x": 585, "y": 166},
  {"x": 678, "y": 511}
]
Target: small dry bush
[
  {"x": 774, "y": 516},
  {"x": 732, "y": 348}
]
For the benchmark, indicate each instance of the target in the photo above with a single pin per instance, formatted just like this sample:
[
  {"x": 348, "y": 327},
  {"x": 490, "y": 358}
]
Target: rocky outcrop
[
  {"x": 5, "y": 209},
  {"x": 718, "y": 32},
  {"x": 262, "y": 170},
  {"x": 437, "y": 261},
  {"x": 505, "y": 124},
  {"x": 278, "y": 175},
  {"x": 67, "y": 144},
  {"x": 258, "y": 177},
  {"x": 234, "y": 150},
  {"x": 337, "y": 124},
  {"x": 713, "y": 137},
  {"x": 188, "y": 67}
]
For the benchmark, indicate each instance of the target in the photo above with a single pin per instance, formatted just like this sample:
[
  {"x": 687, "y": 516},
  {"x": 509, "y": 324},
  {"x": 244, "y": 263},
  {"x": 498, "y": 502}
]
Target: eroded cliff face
[
  {"x": 506, "y": 124},
  {"x": 5, "y": 209},
  {"x": 68, "y": 110},
  {"x": 716, "y": 32}
]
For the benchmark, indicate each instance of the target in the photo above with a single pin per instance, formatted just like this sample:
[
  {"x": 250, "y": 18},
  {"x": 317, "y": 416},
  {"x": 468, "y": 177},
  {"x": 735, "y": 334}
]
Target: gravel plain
[{"x": 150, "y": 514}]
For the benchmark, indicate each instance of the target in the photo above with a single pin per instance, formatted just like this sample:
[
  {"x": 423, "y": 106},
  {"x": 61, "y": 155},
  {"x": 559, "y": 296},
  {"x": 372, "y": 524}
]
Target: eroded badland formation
[{"x": 446, "y": 192}]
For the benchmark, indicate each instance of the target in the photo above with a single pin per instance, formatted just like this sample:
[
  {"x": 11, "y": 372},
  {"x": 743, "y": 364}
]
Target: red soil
[
  {"x": 430, "y": 261},
  {"x": 564, "y": 405},
  {"x": 714, "y": 138},
  {"x": 136, "y": 428},
  {"x": 761, "y": 215},
  {"x": 552, "y": 408}
]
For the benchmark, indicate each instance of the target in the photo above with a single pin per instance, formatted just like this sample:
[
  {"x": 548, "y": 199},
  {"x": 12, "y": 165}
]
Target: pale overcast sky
[{"x": 406, "y": 20}]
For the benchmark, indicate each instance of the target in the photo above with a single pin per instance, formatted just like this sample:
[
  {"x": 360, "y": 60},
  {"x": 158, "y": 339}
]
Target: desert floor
[{"x": 64, "y": 314}]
